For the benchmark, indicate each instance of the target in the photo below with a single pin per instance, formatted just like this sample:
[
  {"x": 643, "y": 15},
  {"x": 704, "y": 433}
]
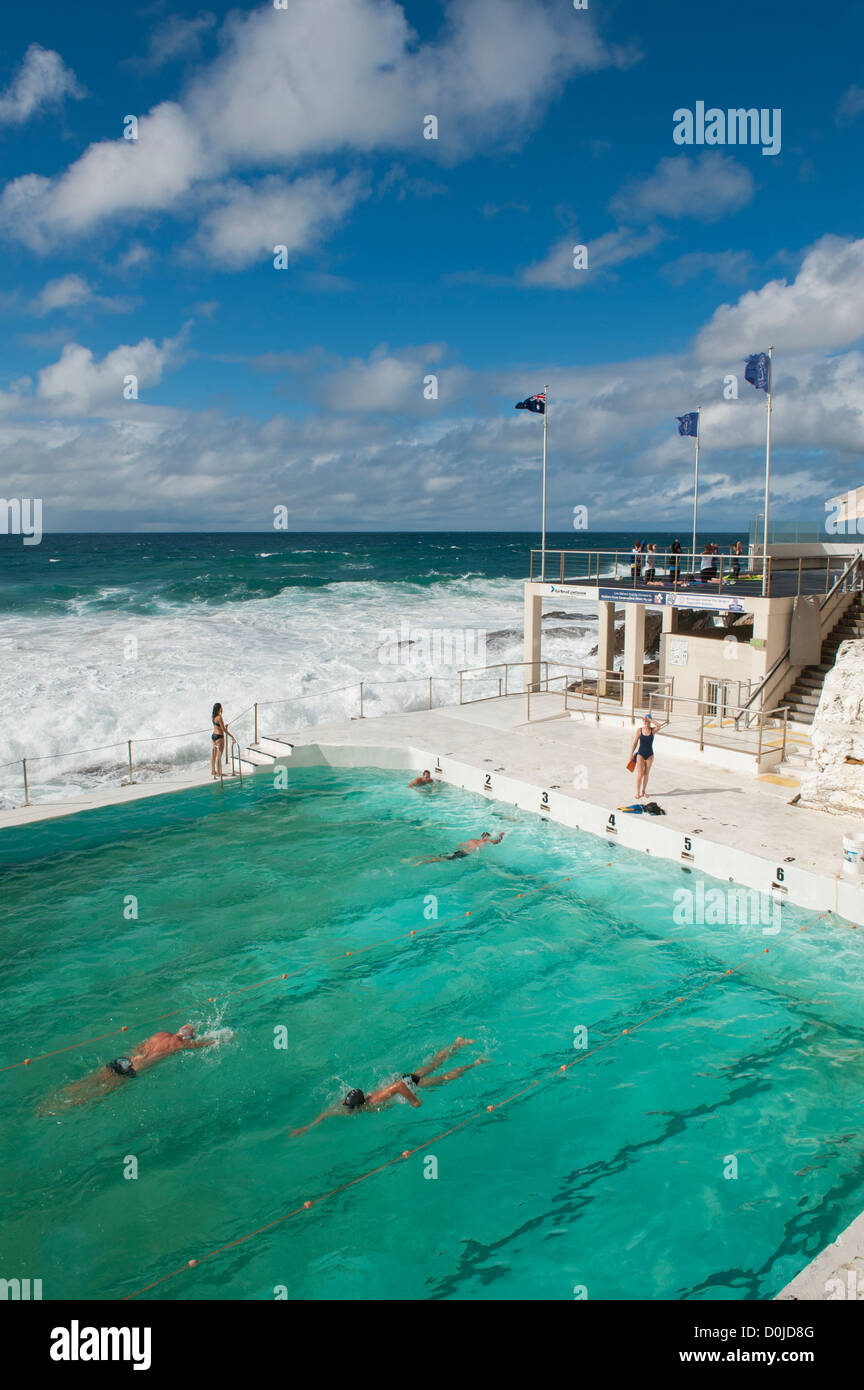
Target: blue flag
[
  {"x": 688, "y": 424},
  {"x": 536, "y": 403},
  {"x": 758, "y": 371}
]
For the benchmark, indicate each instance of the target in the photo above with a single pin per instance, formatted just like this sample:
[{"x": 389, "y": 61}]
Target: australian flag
[
  {"x": 688, "y": 424},
  {"x": 536, "y": 403},
  {"x": 758, "y": 371}
]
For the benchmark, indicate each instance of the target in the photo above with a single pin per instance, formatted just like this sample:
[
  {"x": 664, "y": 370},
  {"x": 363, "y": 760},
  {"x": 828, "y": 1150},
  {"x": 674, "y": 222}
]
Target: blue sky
[{"x": 303, "y": 387}]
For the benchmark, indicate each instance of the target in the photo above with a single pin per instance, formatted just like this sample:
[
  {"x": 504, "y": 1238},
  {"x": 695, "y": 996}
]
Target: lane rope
[{"x": 289, "y": 974}]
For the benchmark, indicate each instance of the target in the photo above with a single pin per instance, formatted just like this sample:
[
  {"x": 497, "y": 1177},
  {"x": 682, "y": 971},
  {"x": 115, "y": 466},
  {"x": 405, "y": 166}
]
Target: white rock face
[{"x": 830, "y": 782}]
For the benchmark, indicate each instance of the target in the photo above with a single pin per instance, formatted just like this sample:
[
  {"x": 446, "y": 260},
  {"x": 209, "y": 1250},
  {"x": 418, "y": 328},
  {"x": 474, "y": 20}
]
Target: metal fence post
[
  {"x": 430, "y": 692},
  {"x": 702, "y": 726},
  {"x": 256, "y": 721},
  {"x": 26, "y": 784},
  {"x": 131, "y": 771},
  {"x": 759, "y": 744},
  {"x": 361, "y": 700}
]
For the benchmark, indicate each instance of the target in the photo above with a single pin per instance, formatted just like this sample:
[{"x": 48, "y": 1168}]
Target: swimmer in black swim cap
[
  {"x": 123, "y": 1066},
  {"x": 406, "y": 1087}
]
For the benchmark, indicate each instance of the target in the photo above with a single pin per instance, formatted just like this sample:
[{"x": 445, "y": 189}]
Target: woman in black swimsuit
[
  {"x": 643, "y": 752},
  {"x": 217, "y": 741}
]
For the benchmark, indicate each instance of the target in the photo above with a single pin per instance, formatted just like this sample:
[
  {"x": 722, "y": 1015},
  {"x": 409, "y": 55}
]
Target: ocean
[{"x": 105, "y": 638}]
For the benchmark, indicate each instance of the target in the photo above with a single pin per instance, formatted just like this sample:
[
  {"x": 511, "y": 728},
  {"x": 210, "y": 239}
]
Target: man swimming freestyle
[
  {"x": 146, "y": 1054},
  {"x": 406, "y": 1086},
  {"x": 467, "y": 847}
]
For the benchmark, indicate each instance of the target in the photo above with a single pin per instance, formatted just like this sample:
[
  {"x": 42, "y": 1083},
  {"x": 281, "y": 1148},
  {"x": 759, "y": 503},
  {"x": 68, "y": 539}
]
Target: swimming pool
[{"x": 609, "y": 1177}]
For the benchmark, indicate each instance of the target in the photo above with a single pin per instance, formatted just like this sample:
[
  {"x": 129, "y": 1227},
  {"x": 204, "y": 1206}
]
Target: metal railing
[
  {"x": 586, "y": 690},
  {"x": 709, "y": 722},
  {"x": 730, "y": 574},
  {"x": 126, "y": 764},
  {"x": 849, "y": 580}
]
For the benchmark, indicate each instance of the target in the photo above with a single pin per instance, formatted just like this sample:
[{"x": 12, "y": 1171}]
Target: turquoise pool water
[{"x": 610, "y": 1176}]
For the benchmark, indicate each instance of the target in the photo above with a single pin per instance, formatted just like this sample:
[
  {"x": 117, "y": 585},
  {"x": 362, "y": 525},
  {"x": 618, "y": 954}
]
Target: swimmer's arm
[
  {"x": 403, "y": 1090},
  {"x": 498, "y": 838},
  {"x": 331, "y": 1110},
  {"x": 201, "y": 1042}
]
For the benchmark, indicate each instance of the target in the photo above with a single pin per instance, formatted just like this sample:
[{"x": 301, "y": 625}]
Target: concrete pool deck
[
  {"x": 727, "y": 824},
  {"x": 573, "y": 771},
  {"x": 717, "y": 820}
]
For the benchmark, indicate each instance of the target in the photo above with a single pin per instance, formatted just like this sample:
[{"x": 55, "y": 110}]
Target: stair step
[
  {"x": 276, "y": 747},
  {"x": 258, "y": 759}
]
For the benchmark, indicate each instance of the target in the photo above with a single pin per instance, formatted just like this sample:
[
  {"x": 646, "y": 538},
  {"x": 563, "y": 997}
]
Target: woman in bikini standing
[{"x": 217, "y": 741}]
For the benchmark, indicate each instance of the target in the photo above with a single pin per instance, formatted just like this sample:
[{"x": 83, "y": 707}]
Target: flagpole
[
  {"x": 545, "y": 427},
  {"x": 767, "y": 472},
  {"x": 696, "y": 482}
]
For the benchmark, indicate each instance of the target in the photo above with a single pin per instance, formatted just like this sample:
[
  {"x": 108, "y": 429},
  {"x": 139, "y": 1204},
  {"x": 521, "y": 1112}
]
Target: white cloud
[
  {"x": 113, "y": 178},
  {"x": 277, "y": 95},
  {"x": 823, "y": 307},
  {"x": 556, "y": 270},
  {"x": 74, "y": 292},
  {"x": 851, "y": 104},
  {"x": 43, "y": 80},
  {"x": 379, "y": 453},
  {"x": 79, "y": 385},
  {"x": 393, "y": 382},
  {"x": 705, "y": 188},
  {"x": 734, "y": 267},
  {"x": 175, "y": 38},
  {"x": 251, "y": 220}
]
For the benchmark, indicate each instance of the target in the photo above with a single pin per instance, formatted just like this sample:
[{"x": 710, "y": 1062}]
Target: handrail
[
  {"x": 729, "y": 574},
  {"x": 854, "y": 564}
]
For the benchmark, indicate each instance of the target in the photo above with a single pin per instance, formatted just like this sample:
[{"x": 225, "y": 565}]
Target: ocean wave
[{"x": 99, "y": 674}]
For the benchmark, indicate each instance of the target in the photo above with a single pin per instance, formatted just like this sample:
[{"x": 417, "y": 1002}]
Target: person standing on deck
[
  {"x": 643, "y": 752},
  {"x": 675, "y": 553},
  {"x": 218, "y": 741}
]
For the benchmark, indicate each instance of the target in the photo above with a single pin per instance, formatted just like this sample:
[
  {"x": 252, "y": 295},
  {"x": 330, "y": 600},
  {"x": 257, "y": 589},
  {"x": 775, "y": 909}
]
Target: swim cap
[
  {"x": 123, "y": 1066},
  {"x": 354, "y": 1099}
]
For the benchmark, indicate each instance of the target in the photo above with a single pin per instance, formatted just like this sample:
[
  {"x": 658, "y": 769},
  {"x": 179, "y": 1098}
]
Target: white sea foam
[{"x": 86, "y": 679}]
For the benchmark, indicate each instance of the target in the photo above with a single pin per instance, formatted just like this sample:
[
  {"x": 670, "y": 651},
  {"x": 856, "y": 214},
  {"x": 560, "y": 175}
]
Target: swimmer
[
  {"x": 123, "y": 1069},
  {"x": 424, "y": 780},
  {"x": 406, "y": 1087},
  {"x": 467, "y": 847}
]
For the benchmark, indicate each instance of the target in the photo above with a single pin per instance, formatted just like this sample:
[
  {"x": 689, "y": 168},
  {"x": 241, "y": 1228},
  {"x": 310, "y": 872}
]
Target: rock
[
  {"x": 834, "y": 777},
  {"x": 653, "y": 626}
]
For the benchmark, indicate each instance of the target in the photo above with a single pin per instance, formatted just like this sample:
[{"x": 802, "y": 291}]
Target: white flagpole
[
  {"x": 696, "y": 483},
  {"x": 767, "y": 472},
  {"x": 545, "y": 427}
]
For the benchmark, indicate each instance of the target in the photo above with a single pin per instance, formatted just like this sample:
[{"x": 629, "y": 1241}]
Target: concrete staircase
[
  {"x": 265, "y": 752},
  {"x": 802, "y": 699}
]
